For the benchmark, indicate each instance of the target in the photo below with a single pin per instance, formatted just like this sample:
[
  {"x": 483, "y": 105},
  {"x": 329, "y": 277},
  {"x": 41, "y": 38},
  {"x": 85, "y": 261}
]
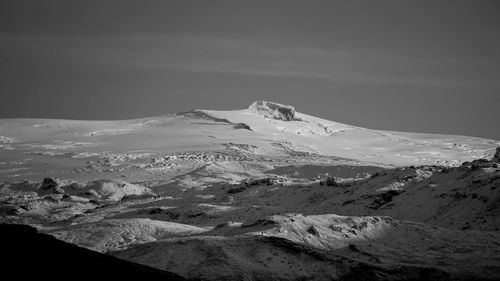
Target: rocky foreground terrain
[{"x": 263, "y": 193}]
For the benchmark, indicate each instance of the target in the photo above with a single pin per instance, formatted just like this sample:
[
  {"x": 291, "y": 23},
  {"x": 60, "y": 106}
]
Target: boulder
[
  {"x": 50, "y": 185},
  {"x": 330, "y": 181}
]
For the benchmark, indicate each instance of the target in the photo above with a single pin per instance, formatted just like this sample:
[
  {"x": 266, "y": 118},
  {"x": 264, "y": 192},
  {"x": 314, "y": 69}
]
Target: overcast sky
[{"x": 424, "y": 66}]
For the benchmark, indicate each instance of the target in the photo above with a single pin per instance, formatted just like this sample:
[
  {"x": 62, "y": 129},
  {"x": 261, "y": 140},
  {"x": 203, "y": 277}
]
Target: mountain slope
[{"x": 139, "y": 148}]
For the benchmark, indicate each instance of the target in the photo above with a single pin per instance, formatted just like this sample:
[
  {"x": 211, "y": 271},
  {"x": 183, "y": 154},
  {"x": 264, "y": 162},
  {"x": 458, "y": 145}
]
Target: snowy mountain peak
[{"x": 273, "y": 110}]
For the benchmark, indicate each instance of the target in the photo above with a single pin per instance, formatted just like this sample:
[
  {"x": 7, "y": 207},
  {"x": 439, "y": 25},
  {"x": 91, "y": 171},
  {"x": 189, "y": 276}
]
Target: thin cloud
[{"x": 263, "y": 58}]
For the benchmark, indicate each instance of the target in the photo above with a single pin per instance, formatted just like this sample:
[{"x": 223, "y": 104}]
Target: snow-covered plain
[{"x": 259, "y": 193}]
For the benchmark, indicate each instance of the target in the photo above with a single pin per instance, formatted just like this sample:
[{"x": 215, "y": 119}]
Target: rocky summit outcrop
[{"x": 274, "y": 110}]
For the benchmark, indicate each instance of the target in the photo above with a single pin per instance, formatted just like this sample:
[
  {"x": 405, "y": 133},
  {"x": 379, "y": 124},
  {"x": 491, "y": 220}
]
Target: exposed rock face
[
  {"x": 274, "y": 110},
  {"x": 242, "y": 126},
  {"x": 267, "y": 181},
  {"x": 496, "y": 158},
  {"x": 262, "y": 181}
]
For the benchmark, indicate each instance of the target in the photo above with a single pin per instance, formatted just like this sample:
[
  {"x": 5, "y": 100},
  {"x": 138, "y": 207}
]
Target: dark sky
[{"x": 425, "y": 66}]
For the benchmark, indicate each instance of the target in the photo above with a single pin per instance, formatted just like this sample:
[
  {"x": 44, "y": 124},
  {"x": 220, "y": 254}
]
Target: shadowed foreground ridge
[{"x": 25, "y": 253}]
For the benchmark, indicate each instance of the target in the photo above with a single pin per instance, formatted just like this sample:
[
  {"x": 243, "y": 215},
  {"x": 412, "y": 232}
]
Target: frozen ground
[{"x": 257, "y": 194}]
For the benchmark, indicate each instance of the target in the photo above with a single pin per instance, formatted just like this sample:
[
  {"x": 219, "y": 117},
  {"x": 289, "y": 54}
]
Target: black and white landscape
[
  {"x": 336, "y": 140},
  {"x": 262, "y": 193}
]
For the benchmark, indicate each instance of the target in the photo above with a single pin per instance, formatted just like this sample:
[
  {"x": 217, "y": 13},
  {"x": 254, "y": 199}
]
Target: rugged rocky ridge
[{"x": 325, "y": 247}]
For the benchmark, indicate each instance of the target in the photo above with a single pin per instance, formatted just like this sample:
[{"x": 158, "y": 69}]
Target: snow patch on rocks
[{"x": 5, "y": 140}]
